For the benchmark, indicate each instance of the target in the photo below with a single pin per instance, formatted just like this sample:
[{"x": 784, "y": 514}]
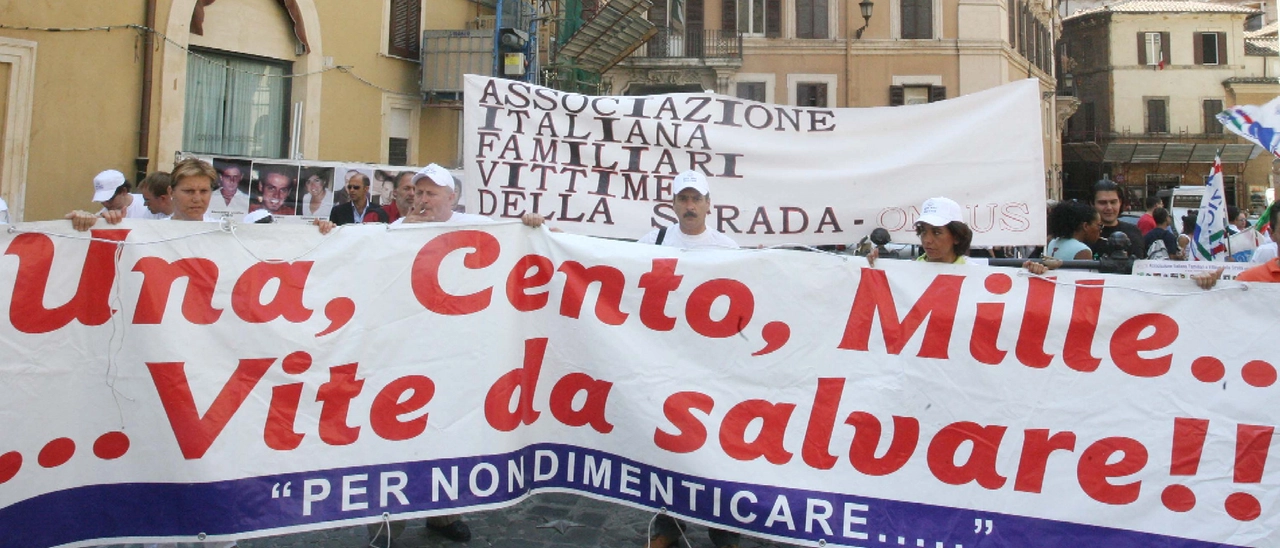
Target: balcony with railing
[{"x": 699, "y": 44}]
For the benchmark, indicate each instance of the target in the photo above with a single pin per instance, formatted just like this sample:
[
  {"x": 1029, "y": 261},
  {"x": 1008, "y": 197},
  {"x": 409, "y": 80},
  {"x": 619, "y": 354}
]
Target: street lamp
[
  {"x": 1069, "y": 83},
  {"x": 865, "y": 6}
]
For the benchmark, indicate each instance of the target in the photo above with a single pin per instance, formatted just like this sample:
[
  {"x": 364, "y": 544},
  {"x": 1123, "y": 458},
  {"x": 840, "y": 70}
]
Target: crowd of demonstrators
[
  {"x": 1078, "y": 231},
  {"x": 1161, "y": 243},
  {"x": 1268, "y": 270},
  {"x": 1074, "y": 226},
  {"x": 1148, "y": 220},
  {"x": 112, "y": 191},
  {"x": 1106, "y": 199},
  {"x": 155, "y": 193},
  {"x": 401, "y": 196}
]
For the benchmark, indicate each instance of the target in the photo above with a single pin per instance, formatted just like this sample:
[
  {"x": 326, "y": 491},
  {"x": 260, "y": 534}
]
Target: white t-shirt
[
  {"x": 239, "y": 203},
  {"x": 138, "y": 210},
  {"x": 1264, "y": 253},
  {"x": 456, "y": 219},
  {"x": 709, "y": 239}
]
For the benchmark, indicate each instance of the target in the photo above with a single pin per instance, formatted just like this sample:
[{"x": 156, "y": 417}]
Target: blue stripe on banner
[{"x": 310, "y": 500}]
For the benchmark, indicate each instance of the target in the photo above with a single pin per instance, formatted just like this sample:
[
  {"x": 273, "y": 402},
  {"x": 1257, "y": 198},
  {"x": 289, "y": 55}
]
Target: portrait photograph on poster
[
  {"x": 232, "y": 192},
  {"x": 316, "y": 191},
  {"x": 275, "y": 188}
]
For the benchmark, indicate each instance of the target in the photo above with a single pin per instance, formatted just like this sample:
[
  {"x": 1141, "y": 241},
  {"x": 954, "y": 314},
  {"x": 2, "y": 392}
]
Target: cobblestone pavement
[{"x": 582, "y": 521}]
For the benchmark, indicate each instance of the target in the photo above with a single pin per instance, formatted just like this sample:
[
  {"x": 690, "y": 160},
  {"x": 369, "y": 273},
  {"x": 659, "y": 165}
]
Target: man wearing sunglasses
[{"x": 359, "y": 209}]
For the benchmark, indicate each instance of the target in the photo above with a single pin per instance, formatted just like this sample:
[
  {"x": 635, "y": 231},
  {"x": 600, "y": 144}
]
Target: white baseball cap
[
  {"x": 690, "y": 179},
  {"x": 940, "y": 212},
  {"x": 105, "y": 185},
  {"x": 436, "y": 174}
]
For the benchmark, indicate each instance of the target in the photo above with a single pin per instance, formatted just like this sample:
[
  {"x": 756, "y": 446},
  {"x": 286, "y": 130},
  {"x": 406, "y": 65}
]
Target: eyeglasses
[{"x": 354, "y": 187}]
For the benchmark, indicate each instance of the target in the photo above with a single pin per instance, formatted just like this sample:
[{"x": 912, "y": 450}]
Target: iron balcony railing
[{"x": 672, "y": 43}]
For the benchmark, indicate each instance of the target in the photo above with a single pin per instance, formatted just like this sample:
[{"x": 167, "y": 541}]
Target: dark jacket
[{"x": 343, "y": 214}]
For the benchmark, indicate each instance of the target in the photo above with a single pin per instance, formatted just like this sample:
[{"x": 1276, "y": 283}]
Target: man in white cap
[
  {"x": 112, "y": 191},
  {"x": 692, "y": 203},
  {"x": 434, "y": 197}
]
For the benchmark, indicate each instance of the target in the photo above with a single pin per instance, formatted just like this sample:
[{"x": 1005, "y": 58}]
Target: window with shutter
[
  {"x": 937, "y": 93},
  {"x": 773, "y": 18},
  {"x": 811, "y": 94},
  {"x": 1207, "y": 48},
  {"x": 917, "y": 19},
  {"x": 405, "y": 28},
  {"x": 1157, "y": 116},
  {"x": 1211, "y": 109},
  {"x": 1151, "y": 49},
  {"x": 896, "y": 95},
  {"x": 760, "y": 17},
  {"x": 811, "y": 18},
  {"x": 751, "y": 91},
  {"x": 397, "y": 151},
  {"x": 729, "y": 16}
]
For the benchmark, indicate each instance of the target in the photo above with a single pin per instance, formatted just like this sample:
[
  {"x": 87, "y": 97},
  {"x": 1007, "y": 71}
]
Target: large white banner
[
  {"x": 779, "y": 174},
  {"x": 195, "y": 380}
]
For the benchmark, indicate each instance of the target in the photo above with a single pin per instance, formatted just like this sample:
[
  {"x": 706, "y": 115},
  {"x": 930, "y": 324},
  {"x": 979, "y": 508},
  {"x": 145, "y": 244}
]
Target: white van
[{"x": 1179, "y": 201}]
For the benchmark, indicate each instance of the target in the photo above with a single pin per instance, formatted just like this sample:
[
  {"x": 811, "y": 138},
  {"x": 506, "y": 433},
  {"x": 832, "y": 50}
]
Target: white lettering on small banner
[
  {"x": 168, "y": 380},
  {"x": 1187, "y": 269},
  {"x": 778, "y": 174}
]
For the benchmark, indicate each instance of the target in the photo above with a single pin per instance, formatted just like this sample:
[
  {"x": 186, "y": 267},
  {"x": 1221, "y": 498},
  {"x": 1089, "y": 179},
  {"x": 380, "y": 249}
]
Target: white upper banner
[
  {"x": 267, "y": 380},
  {"x": 779, "y": 174}
]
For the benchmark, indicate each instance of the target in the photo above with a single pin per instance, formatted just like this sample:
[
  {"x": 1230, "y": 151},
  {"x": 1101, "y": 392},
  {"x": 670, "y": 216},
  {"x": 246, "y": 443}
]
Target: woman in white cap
[{"x": 942, "y": 231}]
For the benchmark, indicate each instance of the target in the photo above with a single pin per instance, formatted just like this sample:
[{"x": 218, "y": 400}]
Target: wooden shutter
[
  {"x": 1156, "y": 116},
  {"x": 1142, "y": 48},
  {"x": 773, "y": 18},
  {"x": 897, "y": 95},
  {"x": 729, "y": 16},
  {"x": 1211, "y": 109},
  {"x": 937, "y": 93},
  {"x": 1222, "y": 48},
  {"x": 405, "y": 28},
  {"x": 1197, "y": 47},
  {"x": 658, "y": 14},
  {"x": 821, "y": 27},
  {"x": 694, "y": 21},
  {"x": 695, "y": 14},
  {"x": 804, "y": 19},
  {"x": 908, "y": 23},
  {"x": 1164, "y": 49}
]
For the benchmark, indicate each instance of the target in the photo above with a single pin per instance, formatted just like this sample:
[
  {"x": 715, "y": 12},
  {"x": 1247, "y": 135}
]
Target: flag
[
  {"x": 675, "y": 11},
  {"x": 1160, "y": 64},
  {"x": 1243, "y": 244},
  {"x": 1258, "y": 124},
  {"x": 1263, "y": 226},
  {"x": 1210, "y": 240}
]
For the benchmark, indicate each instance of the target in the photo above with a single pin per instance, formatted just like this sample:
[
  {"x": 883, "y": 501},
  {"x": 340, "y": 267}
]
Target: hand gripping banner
[
  {"x": 778, "y": 174},
  {"x": 181, "y": 381}
]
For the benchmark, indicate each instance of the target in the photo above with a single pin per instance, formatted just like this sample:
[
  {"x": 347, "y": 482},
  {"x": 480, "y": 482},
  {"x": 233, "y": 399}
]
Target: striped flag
[
  {"x": 1263, "y": 226},
  {"x": 1259, "y": 124},
  {"x": 1210, "y": 240}
]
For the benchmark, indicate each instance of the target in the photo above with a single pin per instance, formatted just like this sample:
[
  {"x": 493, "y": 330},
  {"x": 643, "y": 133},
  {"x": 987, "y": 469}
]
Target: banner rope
[
  {"x": 1055, "y": 281},
  {"x": 383, "y": 525},
  {"x": 648, "y": 539}
]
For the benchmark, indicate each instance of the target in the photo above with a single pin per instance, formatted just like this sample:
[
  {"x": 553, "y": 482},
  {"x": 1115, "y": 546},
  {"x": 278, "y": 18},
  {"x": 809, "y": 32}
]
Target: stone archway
[{"x": 172, "y": 81}]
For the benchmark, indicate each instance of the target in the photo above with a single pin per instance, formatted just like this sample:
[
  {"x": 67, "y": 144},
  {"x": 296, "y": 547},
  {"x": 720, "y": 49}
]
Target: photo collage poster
[{"x": 299, "y": 190}]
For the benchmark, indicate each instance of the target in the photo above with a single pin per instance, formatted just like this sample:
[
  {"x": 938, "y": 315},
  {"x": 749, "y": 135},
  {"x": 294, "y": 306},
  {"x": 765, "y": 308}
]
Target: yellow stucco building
[{"x": 85, "y": 87}]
